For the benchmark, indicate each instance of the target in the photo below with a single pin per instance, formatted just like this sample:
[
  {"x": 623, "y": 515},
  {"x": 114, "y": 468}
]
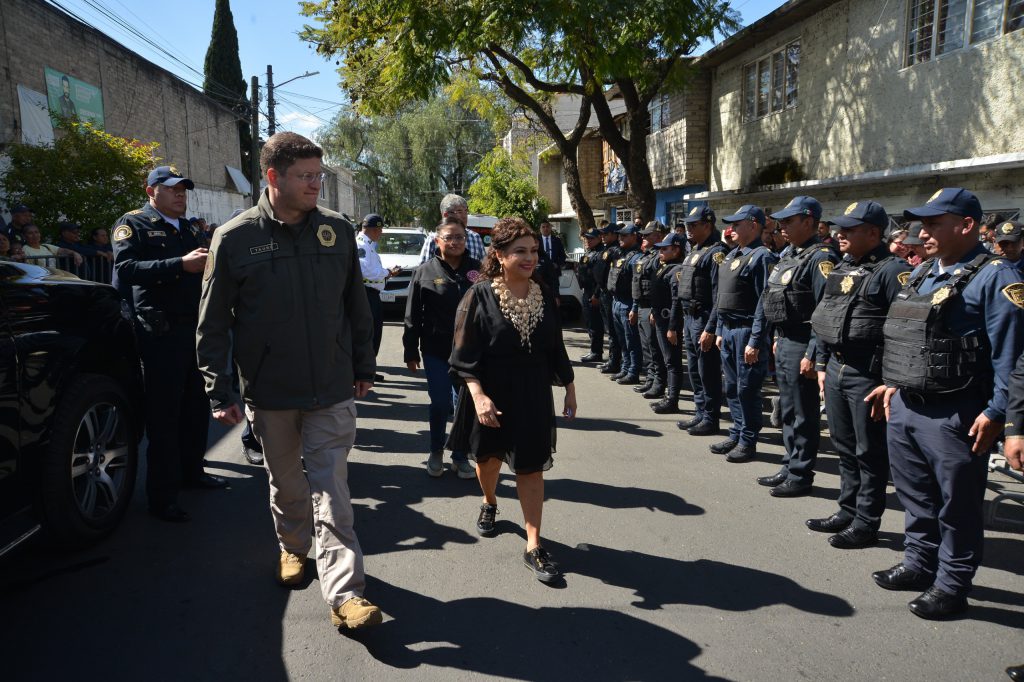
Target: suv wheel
[{"x": 89, "y": 473}]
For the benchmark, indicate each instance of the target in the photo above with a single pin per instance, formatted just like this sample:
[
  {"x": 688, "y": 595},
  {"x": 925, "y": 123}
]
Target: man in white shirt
[{"x": 374, "y": 273}]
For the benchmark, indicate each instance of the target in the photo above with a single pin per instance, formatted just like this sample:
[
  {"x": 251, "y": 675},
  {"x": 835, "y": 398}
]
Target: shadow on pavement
[
  {"x": 657, "y": 581},
  {"x": 489, "y": 636},
  {"x": 618, "y": 497}
]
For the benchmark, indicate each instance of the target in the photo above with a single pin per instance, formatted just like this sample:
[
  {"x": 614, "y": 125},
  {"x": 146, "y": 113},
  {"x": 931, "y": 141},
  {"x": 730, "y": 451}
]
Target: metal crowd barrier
[{"x": 93, "y": 268}]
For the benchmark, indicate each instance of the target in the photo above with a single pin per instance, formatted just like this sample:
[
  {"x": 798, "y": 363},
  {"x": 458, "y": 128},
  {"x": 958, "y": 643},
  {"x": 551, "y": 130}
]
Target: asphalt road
[{"x": 678, "y": 567}]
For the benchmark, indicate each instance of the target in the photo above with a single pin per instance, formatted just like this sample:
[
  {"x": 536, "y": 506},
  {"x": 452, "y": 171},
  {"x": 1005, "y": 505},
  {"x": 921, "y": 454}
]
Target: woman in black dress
[{"x": 507, "y": 353}]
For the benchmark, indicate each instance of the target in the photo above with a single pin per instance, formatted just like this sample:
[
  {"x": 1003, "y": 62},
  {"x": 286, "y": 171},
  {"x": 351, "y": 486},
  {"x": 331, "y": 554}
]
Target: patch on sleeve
[
  {"x": 208, "y": 271},
  {"x": 825, "y": 267},
  {"x": 1015, "y": 293},
  {"x": 903, "y": 278},
  {"x": 122, "y": 232},
  {"x": 135, "y": 212},
  {"x": 719, "y": 258},
  {"x": 362, "y": 252}
]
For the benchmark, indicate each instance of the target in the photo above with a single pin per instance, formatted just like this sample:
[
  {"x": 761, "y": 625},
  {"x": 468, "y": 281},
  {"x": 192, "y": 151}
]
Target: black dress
[{"x": 488, "y": 348}]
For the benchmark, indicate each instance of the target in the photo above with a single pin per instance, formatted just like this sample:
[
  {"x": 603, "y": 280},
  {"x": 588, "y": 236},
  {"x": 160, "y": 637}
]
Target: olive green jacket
[{"x": 287, "y": 305}]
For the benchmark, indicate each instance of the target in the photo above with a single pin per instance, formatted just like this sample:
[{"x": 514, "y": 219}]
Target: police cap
[
  {"x": 168, "y": 176},
  {"x": 955, "y": 200},
  {"x": 699, "y": 213},
  {"x": 801, "y": 205},
  {"x": 747, "y": 212},
  {"x": 674, "y": 239},
  {"x": 860, "y": 213},
  {"x": 1010, "y": 231}
]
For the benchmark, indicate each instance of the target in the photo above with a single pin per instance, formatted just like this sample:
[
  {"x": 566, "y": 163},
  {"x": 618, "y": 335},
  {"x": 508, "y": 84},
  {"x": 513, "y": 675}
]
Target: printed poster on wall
[{"x": 68, "y": 96}]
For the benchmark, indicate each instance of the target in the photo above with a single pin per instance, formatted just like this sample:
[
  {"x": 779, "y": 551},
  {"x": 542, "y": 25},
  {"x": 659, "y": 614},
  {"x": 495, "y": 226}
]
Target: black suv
[{"x": 70, "y": 406}]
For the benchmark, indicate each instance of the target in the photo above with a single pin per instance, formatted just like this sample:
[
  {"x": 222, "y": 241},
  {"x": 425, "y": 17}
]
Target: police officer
[
  {"x": 158, "y": 262},
  {"x": 694, "y": 312},
  {"x": 952, "y": 337},
  {"x": 586, "y": 273},
  {"x": 663, "y": 293},
  {"x": 794, "y": 289},
  {"x": 742, "y": 336},
  {"x": 620, "y": 283},
  {"x": 375, "y": 275},
  {"x": 610, "y": 240},
  {"x": 1007, "y": 239},
  {"x": 848, "y": 327},
  {"x": 640, "y": 315}
]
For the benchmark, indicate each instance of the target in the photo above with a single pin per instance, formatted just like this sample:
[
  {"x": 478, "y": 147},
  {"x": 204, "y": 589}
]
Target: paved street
[{"x": 678, "y": 567}]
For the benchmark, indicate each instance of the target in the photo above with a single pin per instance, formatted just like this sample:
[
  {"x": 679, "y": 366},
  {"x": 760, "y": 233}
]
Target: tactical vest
[
  {"x": 646, "y": 268},
  {"x": 921, "y": 354},
  {"x": 695, "y": 284},
  {"x": 736, "y": 294},
  {"x": 788, "y": 298},
  {"x": 585, "y": 271},
  {"x": 845, "y": 317},
  {"x": 619, "y": 286},
  {"x": 661, "y": 292}
]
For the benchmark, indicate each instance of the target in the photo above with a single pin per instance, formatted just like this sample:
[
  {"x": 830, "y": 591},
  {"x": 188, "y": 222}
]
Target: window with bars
[
  {"x": 770, "y": 83},
  {"x": 937, "y": 27},
  {"x": 660, "y": 113}
]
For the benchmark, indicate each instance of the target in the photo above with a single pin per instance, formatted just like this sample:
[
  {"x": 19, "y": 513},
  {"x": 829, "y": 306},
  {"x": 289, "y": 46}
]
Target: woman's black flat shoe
[
  {"x": 485, "y": 522},
  {"x": 539, "y": 561}
]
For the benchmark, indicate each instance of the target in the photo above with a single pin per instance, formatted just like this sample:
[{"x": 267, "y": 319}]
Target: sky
[{"x": 267, "y": 34}]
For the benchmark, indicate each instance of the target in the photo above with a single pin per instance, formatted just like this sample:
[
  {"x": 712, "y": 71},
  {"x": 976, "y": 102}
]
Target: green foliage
[
  {"x": 87, "y": 176},
  {"x": 409, "y": 160},
  {"x": 222, "y": 75},
  {"x": 506, "y": 188}
]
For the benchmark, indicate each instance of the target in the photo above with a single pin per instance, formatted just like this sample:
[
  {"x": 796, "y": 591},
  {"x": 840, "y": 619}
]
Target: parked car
[
  {"x": 70, "y": 397},
  {"x": 400, "y": 246},
  {"x": 570, "y": 293}
]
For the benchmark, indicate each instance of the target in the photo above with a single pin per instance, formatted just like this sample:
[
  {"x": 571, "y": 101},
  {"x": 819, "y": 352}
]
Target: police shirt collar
[
  {"x": 267, "y": 211},
  {"x": 715, "y": 236},
  {"x": 151, "y": 210},
  {"x": 939, "y": 268},
  {"x": 806, "y": 245},
  {"x": 751, "y": 246},
  {"x": 879, "y": 252}
]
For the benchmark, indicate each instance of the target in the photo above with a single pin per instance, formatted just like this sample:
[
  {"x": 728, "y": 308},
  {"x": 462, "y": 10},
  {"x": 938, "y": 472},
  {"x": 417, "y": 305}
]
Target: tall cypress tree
[{"x": 222, "y": 75}]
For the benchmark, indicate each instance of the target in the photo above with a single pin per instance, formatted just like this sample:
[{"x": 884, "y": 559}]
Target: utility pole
[
  {"x": 254, "y": 151},
  {"x": 271, "y": 121}
]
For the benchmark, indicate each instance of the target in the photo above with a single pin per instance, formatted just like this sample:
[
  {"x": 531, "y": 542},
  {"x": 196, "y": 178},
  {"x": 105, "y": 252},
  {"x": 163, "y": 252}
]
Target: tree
[
  {"x": 506, "y": 188},
  {"x": 222, "y": 77},
  {"x": 392, "y": 50},
  {"x": 408, "y": 161},
  {"x": 88, "y": 176}
]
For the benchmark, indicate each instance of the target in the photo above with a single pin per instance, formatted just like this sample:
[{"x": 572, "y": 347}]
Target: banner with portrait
[{"x": 67, "y": 96}]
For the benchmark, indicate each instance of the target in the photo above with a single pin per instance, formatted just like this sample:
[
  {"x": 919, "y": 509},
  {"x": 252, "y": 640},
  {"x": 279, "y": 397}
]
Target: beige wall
[
  {"x": 677, "y": 155},
  {"x": 859, "y": 111},
  {"x": 139, "y": 100}
]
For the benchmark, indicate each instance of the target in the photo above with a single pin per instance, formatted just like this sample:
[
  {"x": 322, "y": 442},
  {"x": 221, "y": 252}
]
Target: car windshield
[{"x": 401, "y": 244}]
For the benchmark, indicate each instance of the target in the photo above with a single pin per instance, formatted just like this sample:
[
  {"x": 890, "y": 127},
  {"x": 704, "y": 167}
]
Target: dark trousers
[
  {"x": 704, "y": 370},
  {"x": 614, "y": 347},
  {"x": 629, "y": 338},
  {"x": 373, "y": 296},
  {"x": 800, "y": 408},
  {"x": 442, "y": 401},
  {"x": 743, "y": 385},
  {"x": 673, "y": 354},
  {"x": 249, "y": 438},
  {"x": 941, "y": 484},
  {"x": 594, "y": 321},
  {"x": 177, "y": 412},
  {"x": 650, "y": 349},
  {"x": 860, "y": 442}
]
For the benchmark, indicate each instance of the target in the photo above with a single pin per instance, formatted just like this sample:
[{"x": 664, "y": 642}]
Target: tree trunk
[
  {"x": 584, "y": 213},
  {"x": 641, "y": 187}
]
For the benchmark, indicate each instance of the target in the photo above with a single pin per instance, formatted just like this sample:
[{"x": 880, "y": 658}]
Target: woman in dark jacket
[{"x": 436, "y": 288}]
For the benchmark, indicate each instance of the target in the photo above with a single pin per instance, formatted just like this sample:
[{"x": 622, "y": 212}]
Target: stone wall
[
  {"x": 677, "y": 155},
  {"x": 140, "y": 100}
]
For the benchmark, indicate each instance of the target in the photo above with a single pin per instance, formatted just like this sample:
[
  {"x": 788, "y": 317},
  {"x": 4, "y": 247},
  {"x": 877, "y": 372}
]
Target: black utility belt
[
  {"x": 694, "y": 307},
  {"x": 940, "y": 397},
  {"x": 795, "y": 333},
  {"x": 737, "y": 324},
  {"x": 869, "y": 362},
  {"x": 159, "y": 322}
]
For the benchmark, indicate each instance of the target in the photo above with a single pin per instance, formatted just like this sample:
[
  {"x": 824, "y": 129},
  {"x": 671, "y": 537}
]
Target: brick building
[{"x": 138, "y": 100}]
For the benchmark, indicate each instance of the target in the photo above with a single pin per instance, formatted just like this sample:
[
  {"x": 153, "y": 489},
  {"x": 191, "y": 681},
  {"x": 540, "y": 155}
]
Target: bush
[
  {"x": 87, "y": 176},
  {"x": 506, "y": 188}
]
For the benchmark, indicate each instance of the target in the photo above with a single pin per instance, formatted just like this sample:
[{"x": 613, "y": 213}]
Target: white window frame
[
  {"x": 966, "y": 38},
  {"x": 660, "y": 111},
  {"x": 772, "y": 69}
]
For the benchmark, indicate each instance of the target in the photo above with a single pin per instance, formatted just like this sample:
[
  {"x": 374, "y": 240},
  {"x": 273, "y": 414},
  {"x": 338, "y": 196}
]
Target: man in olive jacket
[{"x": 283, "y": 297}]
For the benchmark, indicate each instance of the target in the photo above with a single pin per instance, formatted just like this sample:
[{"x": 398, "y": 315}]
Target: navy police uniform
[
  {"x": 694, "y": 311},
  {"x": 952, "y": 337},
  {"x": 848, "y": 326},
  {"x": 742, "y": 278},
  {"x": 794, "y": 289},
  {"x": 664, "y": 288},
  {"x": 652, "y": 360},
  {"x": 148, "y": 251},
  {"x": 587, "y": 274},
  {"x": 620, "y": 283},
  {"x": 601, "y": 271}
]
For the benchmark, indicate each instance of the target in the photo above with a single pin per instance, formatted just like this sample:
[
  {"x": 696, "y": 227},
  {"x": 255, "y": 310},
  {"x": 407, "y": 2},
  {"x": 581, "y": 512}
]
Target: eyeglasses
[
  {"x": 309, "y": 178},
  {"x": 452, "y": 238}
]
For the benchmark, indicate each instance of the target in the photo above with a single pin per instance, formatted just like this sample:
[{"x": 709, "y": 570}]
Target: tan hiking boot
[
  {"x": 290, "y": 568},
  {"x": 356, "y": 613}
]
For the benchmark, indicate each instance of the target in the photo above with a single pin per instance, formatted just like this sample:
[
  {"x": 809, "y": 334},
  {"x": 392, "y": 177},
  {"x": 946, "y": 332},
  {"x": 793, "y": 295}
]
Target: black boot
[
  {"x": 669, "y": 405},
  {"x": 657, "y": 390},
  {"x": 644, "y": 387}
]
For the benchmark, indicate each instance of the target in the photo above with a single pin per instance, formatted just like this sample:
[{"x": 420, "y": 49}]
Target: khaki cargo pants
[{"x": 317, "y": 502}]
